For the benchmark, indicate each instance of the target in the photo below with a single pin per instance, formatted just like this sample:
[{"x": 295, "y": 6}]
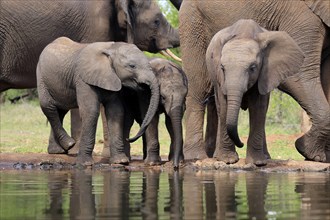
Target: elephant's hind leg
[
  {"x": 58, "y": 134},
  {"x": 54, "y": 147}
]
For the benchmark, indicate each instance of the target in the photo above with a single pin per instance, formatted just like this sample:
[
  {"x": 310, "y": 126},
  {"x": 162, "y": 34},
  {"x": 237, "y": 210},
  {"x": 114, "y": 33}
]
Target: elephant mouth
[{"x": 153, "y": 46}]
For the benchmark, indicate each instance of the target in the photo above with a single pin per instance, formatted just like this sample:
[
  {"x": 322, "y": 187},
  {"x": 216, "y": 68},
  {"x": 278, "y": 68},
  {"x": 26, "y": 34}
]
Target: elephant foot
[
  {"x": 312, "y": 147},
  {"x": 74, "y": 150},
  {"x": 153, "y": 160},
  {"x": 67, "y": 143},
  {"x": 192, "y": 153},
  {"x": 266, "y": 153},
  {"x": 106, "y": 152},
  {"x": 84, "y": 160},
  {"x": 54, "y": 148},
  {"x": 327, "y": 154},
  {"x": 178, "y": 162},
  {"x": 256, "y": 157},
  {"x": 119, "y": 159},
  {"x": 227, "y": 156}
]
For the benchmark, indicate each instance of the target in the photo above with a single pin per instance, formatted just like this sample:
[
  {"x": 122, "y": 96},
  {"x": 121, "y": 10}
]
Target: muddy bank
[{"x": 45, "y": 161}]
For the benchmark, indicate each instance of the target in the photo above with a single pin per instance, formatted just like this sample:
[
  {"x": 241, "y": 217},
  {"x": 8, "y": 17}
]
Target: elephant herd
[{"x": 86, "y": 53}]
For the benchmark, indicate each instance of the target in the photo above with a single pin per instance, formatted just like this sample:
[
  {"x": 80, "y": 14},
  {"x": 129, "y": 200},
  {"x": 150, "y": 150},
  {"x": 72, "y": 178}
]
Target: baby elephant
[
  {"x": 173, "y": 90},
  {"x": 245, "y": 63},
  {"x": 71, "y": 75}
]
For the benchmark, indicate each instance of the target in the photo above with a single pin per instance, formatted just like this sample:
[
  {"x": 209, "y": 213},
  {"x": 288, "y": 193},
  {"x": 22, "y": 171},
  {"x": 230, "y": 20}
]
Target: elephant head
[
  {"x": 141, "y": 22},
  {"x": 173, "y": 91},
  {"x": 117, "y": 65},
  {"x": 245, "y": 54}
]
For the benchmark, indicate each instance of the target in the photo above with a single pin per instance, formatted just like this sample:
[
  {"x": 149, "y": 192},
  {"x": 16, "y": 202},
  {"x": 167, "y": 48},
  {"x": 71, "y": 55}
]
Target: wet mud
[{"x": 43, "y": 161}]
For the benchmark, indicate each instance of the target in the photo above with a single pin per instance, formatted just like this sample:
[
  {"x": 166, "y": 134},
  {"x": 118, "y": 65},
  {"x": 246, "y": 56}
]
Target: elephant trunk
[
  {"x": 176, "y": 115},
  {"x": 152, "y": 109},
  {"x": 233, "y": 106},
  {"x": 174, "y": 37},
  {"x": 168, "y": 38}
]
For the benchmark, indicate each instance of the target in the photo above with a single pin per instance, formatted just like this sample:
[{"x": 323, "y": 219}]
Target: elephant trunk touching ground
[
  {"x": 234, "y": 100},
  {"x": 176, "y": 115},
  {"x": 152, "y": 109}
]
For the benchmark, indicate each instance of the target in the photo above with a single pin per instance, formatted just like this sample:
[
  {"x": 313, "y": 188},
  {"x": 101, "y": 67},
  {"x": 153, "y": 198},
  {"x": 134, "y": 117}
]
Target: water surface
[{"x": 162, "y": 195}]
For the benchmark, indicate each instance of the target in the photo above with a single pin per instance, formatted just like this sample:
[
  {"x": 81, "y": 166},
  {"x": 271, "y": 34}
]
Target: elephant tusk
[{"x": 168, "y": 53}]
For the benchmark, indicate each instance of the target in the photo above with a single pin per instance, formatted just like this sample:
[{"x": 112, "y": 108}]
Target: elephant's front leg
[
  {"x": 194, "y": 119},
  {"x": 114, "y": 112},
  {"x": 225, "y": 149},
  {"x": 89, "y": 113},
  {"x": 152, "y": 143},
  {"x": 257, "y": 152}
]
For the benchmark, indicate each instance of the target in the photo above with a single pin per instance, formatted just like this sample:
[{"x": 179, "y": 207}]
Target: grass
[{"x": 24, "y": 129}]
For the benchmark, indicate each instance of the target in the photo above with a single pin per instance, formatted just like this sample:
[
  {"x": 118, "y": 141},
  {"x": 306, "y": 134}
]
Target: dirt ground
[{"x": 45, "y": 161}]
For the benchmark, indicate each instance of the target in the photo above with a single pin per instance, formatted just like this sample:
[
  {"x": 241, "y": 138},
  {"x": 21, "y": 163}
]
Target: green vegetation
[{"x": 24, "y": 128}]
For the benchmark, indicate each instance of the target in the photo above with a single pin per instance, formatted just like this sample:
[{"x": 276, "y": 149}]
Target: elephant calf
[
  {"x": 173, "y": 90},
  {"x": 245, "y": 63},
  {"x": 71, "y": 75}
]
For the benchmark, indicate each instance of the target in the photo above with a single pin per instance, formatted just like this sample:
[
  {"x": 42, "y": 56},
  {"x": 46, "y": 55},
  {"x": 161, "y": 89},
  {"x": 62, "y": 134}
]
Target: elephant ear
[
  {"x": 124, "y": 19},
  {"x": 213, "y": 56},
  {"x": 320, "y": 8},
  {"x": 282, "y": 58},
  {"x": 94, "y": 66}
]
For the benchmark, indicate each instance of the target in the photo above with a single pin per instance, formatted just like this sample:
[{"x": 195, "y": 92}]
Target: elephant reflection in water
[
  {"x": 115, "y": 199},
  {"x": 136, "y": 193},
  {"x": 82, "y": 199},
  {"x": 55, "y": 185},
  {"x": 218, "y": 191},
  {"x": 314, "y": 191}
]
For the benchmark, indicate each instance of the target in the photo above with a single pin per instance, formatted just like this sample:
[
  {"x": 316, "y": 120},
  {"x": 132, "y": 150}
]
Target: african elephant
[
  {"x": 71, "y": 75},
  {"x": 245, "y": 63},
  {"x": 173, "y": 87},
  {"x": 200, "y": 20},
  {"x": 26, "y": 27}
]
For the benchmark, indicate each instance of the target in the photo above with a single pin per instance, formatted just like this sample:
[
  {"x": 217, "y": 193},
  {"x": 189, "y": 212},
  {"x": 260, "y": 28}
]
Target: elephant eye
[
  {"x": 252, "y": 68},
  {"x": 132, "y": 66},
  {"x": 157, "y": 22}
]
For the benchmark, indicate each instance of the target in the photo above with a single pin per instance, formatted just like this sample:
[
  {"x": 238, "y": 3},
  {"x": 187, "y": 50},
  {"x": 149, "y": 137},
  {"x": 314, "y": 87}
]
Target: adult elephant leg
[
  {"x": 193, "y": 47},
  {"x": 258, "y": 105},
  {"x": 194, "y": 146},
  {"x": 305, "y": 87},
  {"x": 75, "y": 128},
  {"x": 211, "y": 129},
  {"x": 195, "y": 109},
  {"x": 325, "y": 79},
  {"x": 307, "y": 91}
]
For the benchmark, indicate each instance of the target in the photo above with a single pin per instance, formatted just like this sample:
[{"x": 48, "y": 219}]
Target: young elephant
[
  {"x": 71, "y": 75},
  {"x": 173, "y": 90},
  {"x": 245, "y": 63}
]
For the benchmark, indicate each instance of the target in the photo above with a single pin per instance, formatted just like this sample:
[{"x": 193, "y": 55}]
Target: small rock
[{"x": 219, "y": 165}]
